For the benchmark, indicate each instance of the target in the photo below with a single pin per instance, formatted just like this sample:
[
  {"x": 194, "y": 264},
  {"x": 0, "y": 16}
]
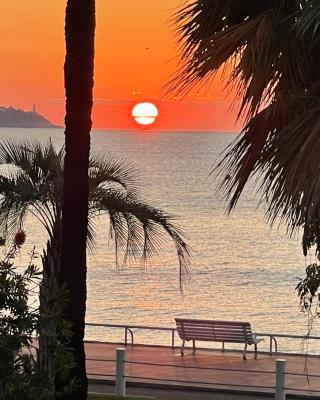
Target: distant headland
[{"x": 14, "y": 118}]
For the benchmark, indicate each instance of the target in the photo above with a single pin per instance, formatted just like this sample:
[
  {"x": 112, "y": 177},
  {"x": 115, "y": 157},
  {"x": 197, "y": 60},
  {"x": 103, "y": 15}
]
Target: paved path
[
  {"x": 174, "y": 394},
  {"x": 207, "y": 370}
]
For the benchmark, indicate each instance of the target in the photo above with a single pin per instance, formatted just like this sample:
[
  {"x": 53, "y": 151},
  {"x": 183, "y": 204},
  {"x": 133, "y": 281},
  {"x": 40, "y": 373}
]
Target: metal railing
[
  {"x": 273, "y": 338},
  {"x": 128, "y": 330}
]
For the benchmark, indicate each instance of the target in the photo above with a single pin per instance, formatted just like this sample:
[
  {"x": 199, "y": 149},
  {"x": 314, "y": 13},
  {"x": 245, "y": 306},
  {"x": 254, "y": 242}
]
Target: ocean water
[{"x": 241, "y": 270}]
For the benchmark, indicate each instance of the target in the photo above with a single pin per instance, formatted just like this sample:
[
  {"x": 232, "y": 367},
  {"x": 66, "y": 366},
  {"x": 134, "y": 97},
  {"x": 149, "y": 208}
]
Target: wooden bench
[{"x": 217, "y": 331}]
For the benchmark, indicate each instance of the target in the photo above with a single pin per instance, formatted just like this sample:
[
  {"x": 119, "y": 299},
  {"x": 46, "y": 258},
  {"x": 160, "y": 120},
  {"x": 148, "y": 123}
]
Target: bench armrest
[{"x": 256, "y": 340}]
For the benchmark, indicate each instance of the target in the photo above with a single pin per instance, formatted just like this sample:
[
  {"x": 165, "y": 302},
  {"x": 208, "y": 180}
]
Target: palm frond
[
  {"x": 280, "y": 147},
  {"x": 270, "y": 54},
  {"x": 106, "y": 169},
  {"x": 31, "y": 187},
  {"x": 291, "y": 171},
  {"x": 140, "y": 230},
  {"x": 309, "y": 21},
  {"x": 256, "y": 40},
  {"x": 35, "y": 187},
  {"x": 91, "y": 235},
  {"x": 244, "y": 156}
]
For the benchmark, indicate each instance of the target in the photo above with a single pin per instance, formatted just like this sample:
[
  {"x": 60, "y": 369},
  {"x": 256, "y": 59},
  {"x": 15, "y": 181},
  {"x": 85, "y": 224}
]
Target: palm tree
[
  {"x": 33, "y": 185},
  {"x": 270, "y": 54},
  {"x": 78, "y": 72}
]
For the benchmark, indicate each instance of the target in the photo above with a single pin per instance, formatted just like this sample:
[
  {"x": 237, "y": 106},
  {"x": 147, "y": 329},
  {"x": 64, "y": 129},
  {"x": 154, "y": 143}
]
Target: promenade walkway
[{"x": 206, "y": 370}]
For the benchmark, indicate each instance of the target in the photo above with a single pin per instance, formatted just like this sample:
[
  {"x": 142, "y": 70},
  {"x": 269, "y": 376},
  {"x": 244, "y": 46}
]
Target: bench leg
[
  {"x": 182, "y": 347},
  {"x": 255, "y": 351},
  {"x": 245, "y": 351},
  {"x": 194, "y": 346}
]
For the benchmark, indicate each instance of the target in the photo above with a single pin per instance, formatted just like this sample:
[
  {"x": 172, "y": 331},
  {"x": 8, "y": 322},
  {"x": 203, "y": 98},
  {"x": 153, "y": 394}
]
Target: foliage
[
  {"x": 34, "y": 185},
  {"x": 309, "y": 294},
  {"x": 308, "y": 288},
  {"x": 20, "y": 320},
  {"x": 270, "y": 55}
]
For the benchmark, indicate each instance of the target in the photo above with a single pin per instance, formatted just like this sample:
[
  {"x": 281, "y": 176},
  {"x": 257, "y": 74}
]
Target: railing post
[
  {"x": 125, "y": 336},
  {"x": 120, "y": 373},
  {"x": 280, "y": 380}
]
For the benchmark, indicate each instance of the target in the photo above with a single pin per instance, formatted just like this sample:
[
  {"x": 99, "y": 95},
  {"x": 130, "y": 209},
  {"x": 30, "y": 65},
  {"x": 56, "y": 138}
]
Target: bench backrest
[{"x": 220, "y": 331}]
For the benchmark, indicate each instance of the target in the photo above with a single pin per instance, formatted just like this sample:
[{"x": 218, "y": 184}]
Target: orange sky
[{"x": 136, "y": 54}]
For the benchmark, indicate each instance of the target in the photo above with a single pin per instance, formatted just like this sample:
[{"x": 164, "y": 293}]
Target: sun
[{"x": 145, "y": 113}]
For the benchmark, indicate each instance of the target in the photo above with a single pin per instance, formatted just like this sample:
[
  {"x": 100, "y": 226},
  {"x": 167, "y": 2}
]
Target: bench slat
[
  {"x": 214, "y": 332},
  {"x": 210, "y": 321}
]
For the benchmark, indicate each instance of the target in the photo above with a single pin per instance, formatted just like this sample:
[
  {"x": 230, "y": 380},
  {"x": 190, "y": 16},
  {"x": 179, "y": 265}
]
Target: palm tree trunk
[
  {"x": 79, "y": 62},
  {"x": 48, "y": 330}
]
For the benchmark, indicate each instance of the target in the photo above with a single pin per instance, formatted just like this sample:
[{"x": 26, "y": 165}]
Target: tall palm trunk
[
  {"x": 79, "y": 62},
  {"x": 48, "y": 290}
]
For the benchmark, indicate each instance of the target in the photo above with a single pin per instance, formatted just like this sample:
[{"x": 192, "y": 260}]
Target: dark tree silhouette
[
  {"x": 270, "y": 51},
  {"x": 78, "y": 70}
]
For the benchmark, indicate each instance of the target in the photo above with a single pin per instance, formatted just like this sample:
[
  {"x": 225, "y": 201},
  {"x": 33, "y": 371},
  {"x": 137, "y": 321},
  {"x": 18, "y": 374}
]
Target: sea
[{"x": 242, "y": 269}]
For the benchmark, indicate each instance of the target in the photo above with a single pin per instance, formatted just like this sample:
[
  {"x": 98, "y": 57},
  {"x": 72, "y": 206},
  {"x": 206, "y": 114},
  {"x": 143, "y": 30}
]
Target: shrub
[{"x": 21, "y": 376}]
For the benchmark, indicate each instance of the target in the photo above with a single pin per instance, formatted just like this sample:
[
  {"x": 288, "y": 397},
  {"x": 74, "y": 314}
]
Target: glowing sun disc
[{"x": 145, "y": 113}]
